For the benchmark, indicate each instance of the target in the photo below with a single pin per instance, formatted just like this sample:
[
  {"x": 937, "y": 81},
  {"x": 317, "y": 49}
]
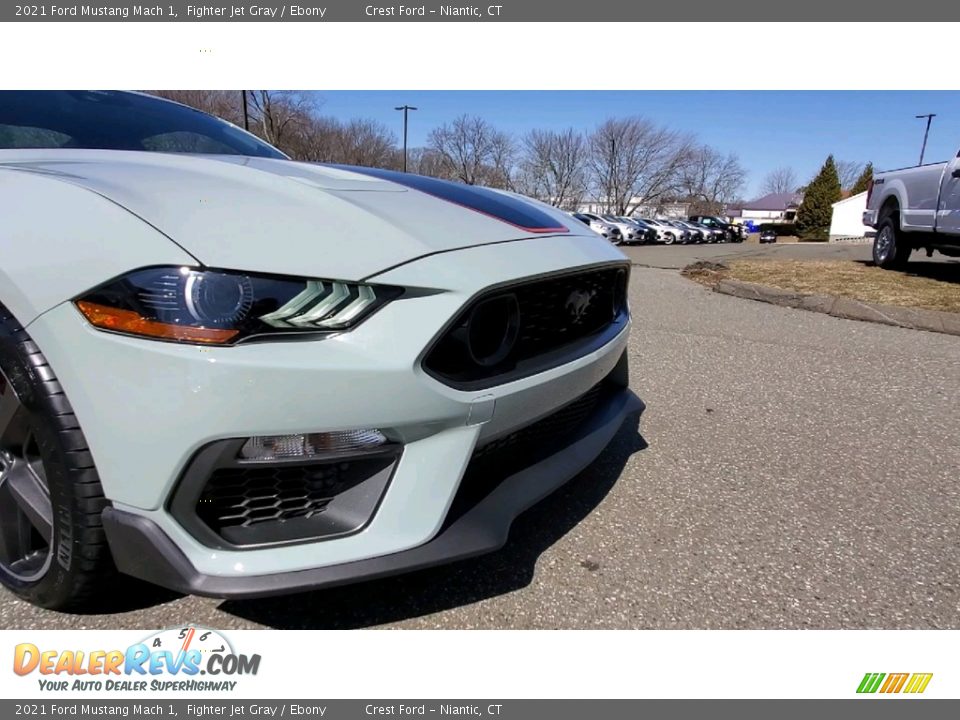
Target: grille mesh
[
  {"x": 554, "y": 313},
  {"x": 247, "y": 496},
  {"x": 515, "y": 451}
]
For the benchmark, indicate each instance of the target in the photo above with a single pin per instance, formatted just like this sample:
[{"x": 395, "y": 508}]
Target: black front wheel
[{"x": 53, "y": 552}]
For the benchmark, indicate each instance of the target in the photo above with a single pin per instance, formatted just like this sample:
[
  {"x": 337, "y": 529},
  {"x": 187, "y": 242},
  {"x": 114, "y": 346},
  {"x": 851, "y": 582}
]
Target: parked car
[
  {"x": 647, "y": 234},
  {"x": 711, "y": 234},
  {"x": 768, "y": 236},
  {"x": 601, "y": 226},
  {"x": 698, "y": 233},
  {"x": 684, "y": 236},
  {"x": 730, "y": 232},
  {"x": 915, "y": 208},
  {"x": 666, "y": 234},
  {"x": 631, "y": 233},
  {"x": 236, "y": 375}
]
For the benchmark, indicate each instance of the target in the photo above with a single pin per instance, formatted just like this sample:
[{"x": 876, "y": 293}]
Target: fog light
[{"x": 287, "y": 447}]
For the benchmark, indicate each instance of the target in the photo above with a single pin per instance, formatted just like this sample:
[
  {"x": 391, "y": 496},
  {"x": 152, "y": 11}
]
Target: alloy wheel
[
  {"x": 26, "y": 512},
  {"x": 884, "y": 244}
]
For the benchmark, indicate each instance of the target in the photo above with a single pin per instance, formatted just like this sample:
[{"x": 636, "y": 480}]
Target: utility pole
[
  {"x": 613, "y": 162},
  {"x": 246, "y": 114},
  {"x": 929, "y": 117},
  {"x": 406, "y": 109}
]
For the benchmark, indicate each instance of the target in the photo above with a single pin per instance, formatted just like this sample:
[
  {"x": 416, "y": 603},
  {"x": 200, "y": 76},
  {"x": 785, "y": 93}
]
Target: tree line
[
  {"x": 851, "y": 174},
  {"x": 827, "y": 187},
  {"x": 620, "y": 165}
]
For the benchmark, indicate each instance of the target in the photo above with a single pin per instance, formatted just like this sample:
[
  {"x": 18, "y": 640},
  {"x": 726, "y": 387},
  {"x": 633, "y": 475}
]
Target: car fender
[
  {"x": 916, "y": 193},
  {"x": 59, "y": 240}
]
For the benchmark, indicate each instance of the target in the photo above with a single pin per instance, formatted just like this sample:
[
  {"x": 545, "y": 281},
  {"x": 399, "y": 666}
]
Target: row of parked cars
[{"x": 623, "y": 230}]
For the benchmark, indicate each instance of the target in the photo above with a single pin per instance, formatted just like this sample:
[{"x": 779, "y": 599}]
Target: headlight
[{"x": 217, "y": 307}]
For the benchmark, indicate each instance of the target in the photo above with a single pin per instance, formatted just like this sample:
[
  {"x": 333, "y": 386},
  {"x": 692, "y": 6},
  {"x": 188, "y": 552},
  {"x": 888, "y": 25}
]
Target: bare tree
[
  {"x": 425, "y": 161},
  {"x": 291, "y": 122},
  {"x": 365, "y": 142},
  {"x": 849, "y": 171},
  {"x": 473, "y": 151},
  {"x": 636, "y": 162},
  {"x": 554, "y": 167},
  {"x": 280, "y": 115},
  {"x": 711, "y": 180},
  {"x": 502, "y": 168},
  {"x": 779, "y": 180},
  {"x": 317, "y": 140}
]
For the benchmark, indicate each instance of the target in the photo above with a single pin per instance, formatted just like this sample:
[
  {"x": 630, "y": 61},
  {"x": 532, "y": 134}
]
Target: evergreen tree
[
  {"x": 816, "y": 211},
  {"x": 863, "y": 182}
]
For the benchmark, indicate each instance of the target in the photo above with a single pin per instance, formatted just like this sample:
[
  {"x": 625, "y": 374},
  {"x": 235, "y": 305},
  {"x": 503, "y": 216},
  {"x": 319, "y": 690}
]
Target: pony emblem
[{"x": 577, "y": 303}]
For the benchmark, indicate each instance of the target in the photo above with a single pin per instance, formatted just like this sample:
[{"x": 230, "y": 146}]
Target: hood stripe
[{"x": 501, "y": 207}]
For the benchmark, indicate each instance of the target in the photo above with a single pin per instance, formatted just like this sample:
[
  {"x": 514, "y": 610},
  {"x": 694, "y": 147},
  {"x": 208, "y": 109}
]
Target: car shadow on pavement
[
  {"x": 393, "y": 599},
  {"x": 944, "y": 270},
  {"x": 130, "y": 595}
]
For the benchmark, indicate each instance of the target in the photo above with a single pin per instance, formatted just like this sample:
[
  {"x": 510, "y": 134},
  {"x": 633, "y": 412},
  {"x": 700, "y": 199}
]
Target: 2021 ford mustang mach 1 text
[{"x": 235, "y": 375}]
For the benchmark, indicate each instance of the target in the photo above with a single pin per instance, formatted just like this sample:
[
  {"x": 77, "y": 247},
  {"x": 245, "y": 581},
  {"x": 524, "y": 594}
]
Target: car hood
[{"x": 279, "y": 216}]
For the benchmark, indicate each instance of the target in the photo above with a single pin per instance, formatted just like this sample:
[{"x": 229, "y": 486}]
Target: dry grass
[{"x": 843, "y": 278}]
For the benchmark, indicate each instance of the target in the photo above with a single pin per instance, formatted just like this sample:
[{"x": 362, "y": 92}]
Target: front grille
[{"x": 552, "y": 315}]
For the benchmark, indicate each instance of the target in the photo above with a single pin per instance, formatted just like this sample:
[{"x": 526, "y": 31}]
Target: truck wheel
[
  {"x": 53, "y": 552},
  {"x": 891, "y": 249}
]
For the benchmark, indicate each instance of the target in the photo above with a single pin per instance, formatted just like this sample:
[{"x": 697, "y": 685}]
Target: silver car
[
  {"x": 712, "y": 235},
  {"x": 686, "y": 236},
  {"x": 600, "y": 225},
  {"x": 645, "y": 233},
  {"x": 666, "y": 234},
  {"x": 631, "y": 232},
  {"x": 700, "y": 233}
]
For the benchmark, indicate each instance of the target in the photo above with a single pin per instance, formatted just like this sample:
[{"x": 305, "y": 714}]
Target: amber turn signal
[{"x": 127, "y": 321}]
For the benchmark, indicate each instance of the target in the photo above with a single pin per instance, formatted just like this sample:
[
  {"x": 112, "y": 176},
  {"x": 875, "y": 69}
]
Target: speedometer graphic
[{"x": 184, "y": 638}]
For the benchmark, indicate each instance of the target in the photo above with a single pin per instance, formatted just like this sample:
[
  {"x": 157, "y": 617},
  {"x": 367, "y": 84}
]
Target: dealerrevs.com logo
[{"x": 178, "y": 659}]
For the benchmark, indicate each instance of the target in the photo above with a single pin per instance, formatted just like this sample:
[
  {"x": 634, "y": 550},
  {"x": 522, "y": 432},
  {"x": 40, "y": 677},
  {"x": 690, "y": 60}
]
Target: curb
[{"x": 846, "y": 308}]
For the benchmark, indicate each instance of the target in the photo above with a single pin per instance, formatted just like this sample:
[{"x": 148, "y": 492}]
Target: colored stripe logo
[{"x": 913, "y": 683}]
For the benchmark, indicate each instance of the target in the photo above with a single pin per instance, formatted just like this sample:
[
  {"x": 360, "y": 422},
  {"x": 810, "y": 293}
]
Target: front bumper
[
  {"x": 147, "y": 408},
  {"x": 141, "y": 548}
]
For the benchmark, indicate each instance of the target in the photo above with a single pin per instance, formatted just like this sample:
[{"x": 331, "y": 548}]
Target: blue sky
[{"x": 766, "y": 129}]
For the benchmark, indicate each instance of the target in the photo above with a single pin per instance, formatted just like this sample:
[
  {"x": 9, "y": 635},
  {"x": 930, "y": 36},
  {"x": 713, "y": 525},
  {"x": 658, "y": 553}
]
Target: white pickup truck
[{"x": 915, "y": 208}]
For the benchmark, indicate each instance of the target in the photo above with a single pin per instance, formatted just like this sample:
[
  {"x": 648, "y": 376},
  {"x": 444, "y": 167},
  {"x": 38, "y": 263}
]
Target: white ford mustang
[{"x": 236, "y": 375}]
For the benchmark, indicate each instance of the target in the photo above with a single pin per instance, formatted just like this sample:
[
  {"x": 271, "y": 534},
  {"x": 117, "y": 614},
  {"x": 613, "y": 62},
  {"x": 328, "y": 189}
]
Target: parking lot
[{"x": 791, "y": 470}]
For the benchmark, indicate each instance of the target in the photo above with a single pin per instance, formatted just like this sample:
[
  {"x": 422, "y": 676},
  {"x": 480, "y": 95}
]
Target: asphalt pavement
[{"x": 792, "y": 470}]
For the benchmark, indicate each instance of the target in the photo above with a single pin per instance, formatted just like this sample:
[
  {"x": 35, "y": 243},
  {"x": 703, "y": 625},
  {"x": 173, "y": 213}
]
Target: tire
[
  {"x": 669, "y": 240},
  {"x": 891, "y": 249},
  {"x": 45, "y": 455}
]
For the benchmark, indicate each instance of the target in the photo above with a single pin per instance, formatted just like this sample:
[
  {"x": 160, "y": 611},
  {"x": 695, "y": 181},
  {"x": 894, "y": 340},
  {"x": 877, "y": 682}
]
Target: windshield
[{"x": 118, "y": 121}]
